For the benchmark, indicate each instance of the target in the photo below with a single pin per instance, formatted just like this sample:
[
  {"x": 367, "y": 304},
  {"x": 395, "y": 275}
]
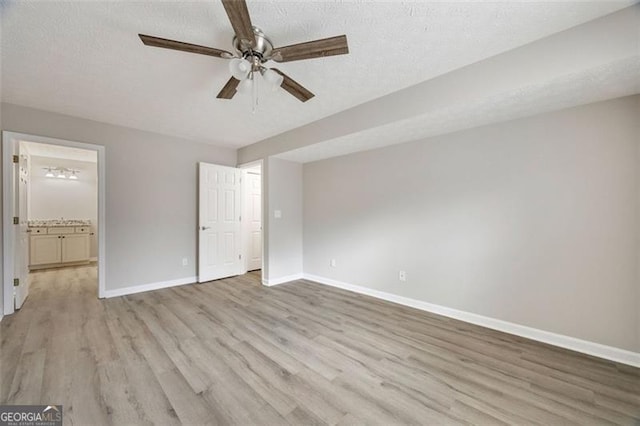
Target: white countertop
[{"x": 50, "y": 223}]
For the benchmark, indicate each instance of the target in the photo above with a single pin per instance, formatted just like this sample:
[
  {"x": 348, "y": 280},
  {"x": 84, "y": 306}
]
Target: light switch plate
[{"x": 277, "y": 214}]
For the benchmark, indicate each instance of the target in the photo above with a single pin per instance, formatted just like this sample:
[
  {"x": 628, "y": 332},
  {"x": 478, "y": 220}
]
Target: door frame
[
  {"x": 8, "y": 138},
  {"x": 251, "y": 165}
]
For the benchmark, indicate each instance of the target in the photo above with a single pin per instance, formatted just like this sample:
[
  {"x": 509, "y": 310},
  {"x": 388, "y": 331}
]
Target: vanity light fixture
[{"x": 61, "y": 173}]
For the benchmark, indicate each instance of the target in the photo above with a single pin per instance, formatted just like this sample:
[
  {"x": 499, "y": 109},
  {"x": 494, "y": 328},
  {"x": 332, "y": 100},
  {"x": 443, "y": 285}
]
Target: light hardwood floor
[{"x": 235, "y": 352}]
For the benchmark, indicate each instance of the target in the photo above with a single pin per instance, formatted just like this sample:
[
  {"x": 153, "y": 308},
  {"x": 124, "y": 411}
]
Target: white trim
[
  {"x": 596, "y": 349},
  {"x": 7, "y": 236},
  {"x": 282, "y": 280},
  {"x": 151, "y": 286}
]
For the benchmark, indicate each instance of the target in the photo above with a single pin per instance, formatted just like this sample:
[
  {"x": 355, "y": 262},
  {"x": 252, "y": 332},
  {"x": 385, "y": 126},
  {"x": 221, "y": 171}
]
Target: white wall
[
  {"x": 150, "y": 192},
  {"x": 52, "y": 198},
  {"x": 535, "y": 221},
  {"x": 283, "y": 236}
]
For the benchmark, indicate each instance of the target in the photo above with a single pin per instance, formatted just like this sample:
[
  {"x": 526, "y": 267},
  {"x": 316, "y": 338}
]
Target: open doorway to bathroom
[
  {"x": 62, "y": 199},
  {"x": 55, "y": 210}
]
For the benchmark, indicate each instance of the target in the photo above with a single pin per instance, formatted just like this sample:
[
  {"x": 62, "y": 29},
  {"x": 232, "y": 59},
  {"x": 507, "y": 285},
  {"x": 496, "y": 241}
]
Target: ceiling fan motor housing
[{"x": 262, "y": 48}]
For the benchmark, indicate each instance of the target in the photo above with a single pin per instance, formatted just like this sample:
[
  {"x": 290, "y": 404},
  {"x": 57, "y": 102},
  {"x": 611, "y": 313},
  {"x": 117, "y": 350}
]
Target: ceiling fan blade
[
  {"x": 294, "y": 88},
  {"x": 184, "y": 47},
  {"x": 240, "y": 21},
  {"x": 312, "y": 49},
  {"x": 229, "y": 89}
]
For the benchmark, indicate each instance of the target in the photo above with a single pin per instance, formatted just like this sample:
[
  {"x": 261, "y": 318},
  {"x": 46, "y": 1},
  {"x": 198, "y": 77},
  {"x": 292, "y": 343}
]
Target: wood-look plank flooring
[{"x": 235, "y": 352}]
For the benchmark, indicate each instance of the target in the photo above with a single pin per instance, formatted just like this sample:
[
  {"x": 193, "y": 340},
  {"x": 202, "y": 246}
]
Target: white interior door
[
  {"x": 21, "y": 259},
  {"x": 219, "y": 243},
  {"x": 252, "y": 223}
]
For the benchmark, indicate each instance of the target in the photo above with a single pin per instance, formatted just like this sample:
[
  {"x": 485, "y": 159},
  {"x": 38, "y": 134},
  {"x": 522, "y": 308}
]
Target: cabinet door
[
  {"x": 44, "y": 249},
  {"x": 75, "y": 247}
]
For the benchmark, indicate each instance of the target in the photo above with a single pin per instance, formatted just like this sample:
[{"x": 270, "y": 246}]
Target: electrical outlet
[
  {"x": 185, "y": 261},
  {"x": 402, "y": 276},
  {"x": 332, "y": 263}
]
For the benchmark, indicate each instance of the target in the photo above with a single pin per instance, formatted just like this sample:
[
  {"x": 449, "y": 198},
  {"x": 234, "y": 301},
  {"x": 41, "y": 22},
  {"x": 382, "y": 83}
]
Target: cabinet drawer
[
  {"x": 61, "y": 230},
  {"x": 38, "y": 231},
  {"x": 82, "y": 229}
]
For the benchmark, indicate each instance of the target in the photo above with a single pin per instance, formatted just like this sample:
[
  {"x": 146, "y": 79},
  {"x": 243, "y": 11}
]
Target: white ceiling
[{"x": 84, "y": 58}]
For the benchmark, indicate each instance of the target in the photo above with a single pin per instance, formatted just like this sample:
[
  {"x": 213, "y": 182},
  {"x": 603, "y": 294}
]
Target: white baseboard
[
  {"x": 148, "y": 287},
  {"x": 596, "y": 349},
  {"x": 282, "y": 280}
]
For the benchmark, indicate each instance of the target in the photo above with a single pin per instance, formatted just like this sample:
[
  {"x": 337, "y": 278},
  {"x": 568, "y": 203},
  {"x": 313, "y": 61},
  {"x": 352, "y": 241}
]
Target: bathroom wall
[{"x": 54, "y": 198}]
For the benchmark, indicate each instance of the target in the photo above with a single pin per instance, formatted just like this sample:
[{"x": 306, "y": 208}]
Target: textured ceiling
[
  {"x": 84, "y": 58},
  {"x": 614, "y": 80}
]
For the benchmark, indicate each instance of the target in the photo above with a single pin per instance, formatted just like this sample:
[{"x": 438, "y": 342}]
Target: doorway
[
  {"x": 230, "y": 214},
  {"x": 53, "y": 211},
  {"x": 252, "y": 217}
]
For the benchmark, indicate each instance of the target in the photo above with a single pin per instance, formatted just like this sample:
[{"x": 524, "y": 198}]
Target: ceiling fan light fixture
[
  {"x": 252, "y": 50},
  {"x": 273, "y": 79},
  {"x": 246, "y": 85},
  {"x": 239, "y": 68}
]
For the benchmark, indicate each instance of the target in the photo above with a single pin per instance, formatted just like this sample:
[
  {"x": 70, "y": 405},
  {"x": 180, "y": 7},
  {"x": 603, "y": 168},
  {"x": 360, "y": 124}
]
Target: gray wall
[
  {"x": 535, "y": 221},
  {"x": 283, "y": 236},
  {"x": 150, "y": 192}
]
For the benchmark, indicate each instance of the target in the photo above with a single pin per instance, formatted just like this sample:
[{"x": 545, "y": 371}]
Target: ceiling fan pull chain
[{"x": 254, "y": 96}]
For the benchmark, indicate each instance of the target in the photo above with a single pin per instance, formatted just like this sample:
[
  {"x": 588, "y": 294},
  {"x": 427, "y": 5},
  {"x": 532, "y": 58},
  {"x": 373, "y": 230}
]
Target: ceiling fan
[{"x": 252, "y": 50}]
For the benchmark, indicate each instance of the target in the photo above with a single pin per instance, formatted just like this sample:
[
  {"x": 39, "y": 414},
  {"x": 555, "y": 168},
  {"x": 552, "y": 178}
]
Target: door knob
[{"x": 204, "y": 228}]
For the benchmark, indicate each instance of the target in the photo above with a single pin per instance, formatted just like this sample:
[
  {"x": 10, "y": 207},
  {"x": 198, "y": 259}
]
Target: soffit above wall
[
  {"x": 602, "y": 83},
  {"x": 85, "y": 59},
  {"x": 591, "y": 62}
]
